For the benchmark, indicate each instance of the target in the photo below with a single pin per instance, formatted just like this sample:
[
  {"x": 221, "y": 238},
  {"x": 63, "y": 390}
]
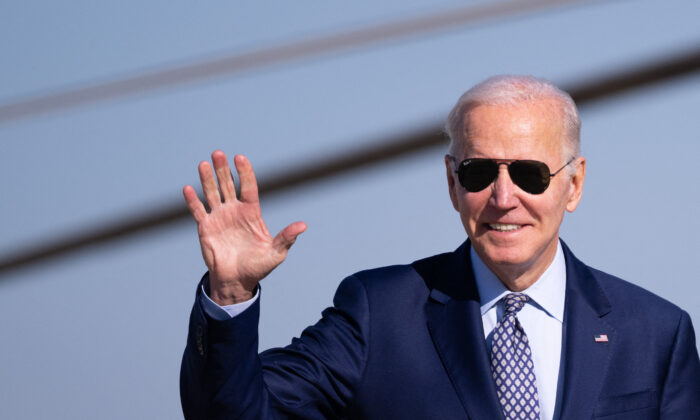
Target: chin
[
  {"x": 507, "y": 256},
  {"x": 502, "y": 259}
]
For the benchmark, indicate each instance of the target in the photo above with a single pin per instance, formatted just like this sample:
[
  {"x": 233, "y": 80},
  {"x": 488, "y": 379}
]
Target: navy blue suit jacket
[{"x": 407, "y": 342}]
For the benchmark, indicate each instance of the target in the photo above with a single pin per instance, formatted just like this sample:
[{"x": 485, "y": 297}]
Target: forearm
[
  {"x": 221, "y": 375},
  {"x": 314, "y": 377}
]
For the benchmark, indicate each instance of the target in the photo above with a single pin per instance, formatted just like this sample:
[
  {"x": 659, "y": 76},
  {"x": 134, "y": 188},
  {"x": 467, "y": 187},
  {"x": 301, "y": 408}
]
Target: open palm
[{"x": 236, "y": 244}]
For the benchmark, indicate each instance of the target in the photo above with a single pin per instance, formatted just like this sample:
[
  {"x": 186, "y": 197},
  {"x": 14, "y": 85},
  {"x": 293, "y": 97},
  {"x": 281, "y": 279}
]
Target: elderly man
[{"x": 510, "y": 325}]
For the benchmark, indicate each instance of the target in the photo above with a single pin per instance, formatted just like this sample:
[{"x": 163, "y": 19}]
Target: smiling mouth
[{"x": 502, "y": 227}]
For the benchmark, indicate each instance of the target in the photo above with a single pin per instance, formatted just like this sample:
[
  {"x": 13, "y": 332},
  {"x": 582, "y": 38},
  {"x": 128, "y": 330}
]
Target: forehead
[{"x": 527, "y": 130}]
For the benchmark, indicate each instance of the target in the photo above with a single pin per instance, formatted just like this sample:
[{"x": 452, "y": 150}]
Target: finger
[
  {"x": 196, "y": 207},
  {"x": 223, "y": 174},
  {"x": 211, "y": 191},
  {"x": 249, "y": 186},
  {"x": 287, "y": 236}
]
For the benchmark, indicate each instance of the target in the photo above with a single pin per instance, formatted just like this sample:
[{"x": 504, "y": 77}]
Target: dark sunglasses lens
[
  {"x": 477, "y": 174},
  {"x": 530, "y": 175}
]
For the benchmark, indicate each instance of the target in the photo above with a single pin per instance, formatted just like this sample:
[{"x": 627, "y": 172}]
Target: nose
[{"x": 503, "y": 190}]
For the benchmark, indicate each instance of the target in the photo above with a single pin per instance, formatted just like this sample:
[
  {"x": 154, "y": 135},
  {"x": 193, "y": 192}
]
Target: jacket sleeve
[
  {"x": 222, "y": 376},
  {"x": 681, "y": 391}
]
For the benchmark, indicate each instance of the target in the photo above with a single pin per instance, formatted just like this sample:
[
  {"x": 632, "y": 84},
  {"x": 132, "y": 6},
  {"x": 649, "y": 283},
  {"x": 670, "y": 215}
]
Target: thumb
[{"x": 287, "y": 236}]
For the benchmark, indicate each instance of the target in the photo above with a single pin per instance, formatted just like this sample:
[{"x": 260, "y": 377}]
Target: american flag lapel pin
[{"x": 600, "y": 338}]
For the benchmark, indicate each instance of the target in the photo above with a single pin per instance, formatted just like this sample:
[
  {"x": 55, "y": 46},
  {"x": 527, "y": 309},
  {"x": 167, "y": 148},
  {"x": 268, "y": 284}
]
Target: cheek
[
  {"x": 553, "y": 209},
  {"x": 471, "y": 206}
]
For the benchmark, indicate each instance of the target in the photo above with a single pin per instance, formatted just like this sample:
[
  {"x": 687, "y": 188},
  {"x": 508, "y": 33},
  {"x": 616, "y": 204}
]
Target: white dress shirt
[{"x": 541, "y": 318}]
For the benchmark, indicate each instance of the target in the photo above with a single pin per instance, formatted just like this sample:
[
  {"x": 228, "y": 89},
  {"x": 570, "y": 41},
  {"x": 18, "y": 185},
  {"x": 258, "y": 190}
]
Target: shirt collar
[{"x": 548, "y": 292}]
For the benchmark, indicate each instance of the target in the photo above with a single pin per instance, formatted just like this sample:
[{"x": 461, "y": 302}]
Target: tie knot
[{"x": 514, "y": 302}]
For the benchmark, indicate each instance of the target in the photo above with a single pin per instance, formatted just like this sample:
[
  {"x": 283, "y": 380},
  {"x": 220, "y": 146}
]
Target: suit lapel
[
  {"x": 454, "y": 320},
  {"x": 585, "y": 360}
]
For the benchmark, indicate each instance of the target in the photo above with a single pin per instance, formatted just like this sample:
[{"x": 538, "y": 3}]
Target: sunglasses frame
[{"x": 546, "y": 177}]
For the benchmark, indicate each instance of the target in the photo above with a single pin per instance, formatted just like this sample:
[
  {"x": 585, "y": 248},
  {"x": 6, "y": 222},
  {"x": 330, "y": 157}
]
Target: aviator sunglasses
[{"x": 531, "y": 176}]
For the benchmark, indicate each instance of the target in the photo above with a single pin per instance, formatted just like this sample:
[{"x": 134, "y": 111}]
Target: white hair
[{"x": 509, "y": 89}]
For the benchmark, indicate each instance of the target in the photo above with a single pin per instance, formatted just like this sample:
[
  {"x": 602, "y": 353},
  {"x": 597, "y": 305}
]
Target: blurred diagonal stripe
[
  {"x": 230, "y": 64},
  {"x": 584, "y": 93}
]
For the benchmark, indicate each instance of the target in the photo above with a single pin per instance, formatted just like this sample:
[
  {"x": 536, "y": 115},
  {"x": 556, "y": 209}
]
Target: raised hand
[{"x": 236, "y": 245}]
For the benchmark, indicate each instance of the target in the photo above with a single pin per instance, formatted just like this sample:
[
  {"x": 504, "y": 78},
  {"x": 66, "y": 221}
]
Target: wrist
[{"x": 228, "y": 294}]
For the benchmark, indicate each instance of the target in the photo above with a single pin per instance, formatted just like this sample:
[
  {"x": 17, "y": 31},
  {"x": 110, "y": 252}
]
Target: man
[{"x": 510, "y": 325}]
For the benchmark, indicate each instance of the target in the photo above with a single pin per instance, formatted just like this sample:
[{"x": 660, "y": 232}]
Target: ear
[
  {"x": 576, "y": 187},
  {"x": 451, "y": 182}
]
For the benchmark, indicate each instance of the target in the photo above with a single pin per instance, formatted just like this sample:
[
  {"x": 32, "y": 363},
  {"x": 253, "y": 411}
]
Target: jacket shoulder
[{"x": 633, "y": 300}]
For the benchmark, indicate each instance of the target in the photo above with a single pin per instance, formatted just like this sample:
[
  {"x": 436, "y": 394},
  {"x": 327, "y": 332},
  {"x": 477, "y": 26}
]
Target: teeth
[{"x": 501, "y": 227}]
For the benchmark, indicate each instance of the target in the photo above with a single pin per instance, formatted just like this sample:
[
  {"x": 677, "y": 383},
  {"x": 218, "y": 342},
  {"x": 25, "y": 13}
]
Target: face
[{"x": 515, "y": 233}]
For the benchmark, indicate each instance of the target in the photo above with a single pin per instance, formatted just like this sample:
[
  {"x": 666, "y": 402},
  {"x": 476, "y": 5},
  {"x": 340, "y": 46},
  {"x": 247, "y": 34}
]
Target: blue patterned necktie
[{"x": 511, "y": 363}]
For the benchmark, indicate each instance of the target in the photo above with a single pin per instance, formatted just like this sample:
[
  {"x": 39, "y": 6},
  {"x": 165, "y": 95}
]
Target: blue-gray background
[{"x": 99, "y": 333}]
